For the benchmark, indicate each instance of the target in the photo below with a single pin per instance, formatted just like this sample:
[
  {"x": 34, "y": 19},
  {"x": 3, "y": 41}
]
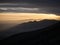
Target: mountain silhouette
[{"x": 48, "y": 35}]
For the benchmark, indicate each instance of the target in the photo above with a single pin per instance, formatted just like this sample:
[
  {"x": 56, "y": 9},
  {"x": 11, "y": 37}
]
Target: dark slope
[
  {"x": 27, "y": 27},
  {"x": 49, "y": 36}
]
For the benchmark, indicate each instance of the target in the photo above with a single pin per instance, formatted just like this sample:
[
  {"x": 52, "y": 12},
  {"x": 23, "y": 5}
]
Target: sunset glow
[
  {"x": 8, "y": 20},
  {"x": 24, "y": 16}
]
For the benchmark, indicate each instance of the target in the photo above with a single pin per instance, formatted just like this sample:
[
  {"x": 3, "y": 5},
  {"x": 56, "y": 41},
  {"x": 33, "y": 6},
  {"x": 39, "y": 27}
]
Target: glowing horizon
[
  {"x": 8, "y": 20},
  {"x": 22, "y": 16}
]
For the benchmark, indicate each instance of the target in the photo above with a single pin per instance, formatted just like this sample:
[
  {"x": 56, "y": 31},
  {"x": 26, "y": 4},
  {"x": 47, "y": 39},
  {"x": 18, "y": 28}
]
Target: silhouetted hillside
[{"x": 44, "y": 36}]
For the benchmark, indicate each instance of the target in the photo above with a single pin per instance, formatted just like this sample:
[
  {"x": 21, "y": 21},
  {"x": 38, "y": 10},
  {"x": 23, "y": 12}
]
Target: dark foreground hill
[{"x": 46, "y": 36}]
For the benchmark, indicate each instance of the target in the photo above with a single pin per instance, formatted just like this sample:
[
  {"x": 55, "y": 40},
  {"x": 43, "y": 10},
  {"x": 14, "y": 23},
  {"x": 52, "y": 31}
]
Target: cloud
[{"x": 30, "y": 7}]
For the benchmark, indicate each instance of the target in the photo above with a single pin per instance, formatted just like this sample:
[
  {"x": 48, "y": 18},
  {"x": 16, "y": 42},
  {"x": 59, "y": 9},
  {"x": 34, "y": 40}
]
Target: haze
[{"x": 8, "y": 20}]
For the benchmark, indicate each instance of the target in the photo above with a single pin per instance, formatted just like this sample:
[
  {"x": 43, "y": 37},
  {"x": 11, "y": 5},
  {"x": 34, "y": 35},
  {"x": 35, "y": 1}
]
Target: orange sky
[
  {"x": 23, "y": 16},
  {"x": 8, "y": 20}
]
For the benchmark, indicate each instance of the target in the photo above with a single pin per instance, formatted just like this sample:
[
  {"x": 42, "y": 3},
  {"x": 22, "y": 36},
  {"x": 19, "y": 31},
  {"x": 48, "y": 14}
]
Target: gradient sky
[
  {"x": 44, "y": 6},
  {"x": 34, "y": 1}
]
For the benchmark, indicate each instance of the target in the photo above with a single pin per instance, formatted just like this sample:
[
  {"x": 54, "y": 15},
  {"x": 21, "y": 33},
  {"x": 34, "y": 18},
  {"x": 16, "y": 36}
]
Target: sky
[
  {"x": 38, "y": 2},
  {"x": 52, "y": 7},
  {"x": 42, "y": 6}
]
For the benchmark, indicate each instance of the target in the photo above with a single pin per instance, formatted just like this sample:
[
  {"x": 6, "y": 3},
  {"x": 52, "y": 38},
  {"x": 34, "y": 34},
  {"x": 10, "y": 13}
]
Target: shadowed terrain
[
  {"x": 49, "y": 35},
  {"x": 20, "y": 27},
  {"x": 26, "y": 27}
]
